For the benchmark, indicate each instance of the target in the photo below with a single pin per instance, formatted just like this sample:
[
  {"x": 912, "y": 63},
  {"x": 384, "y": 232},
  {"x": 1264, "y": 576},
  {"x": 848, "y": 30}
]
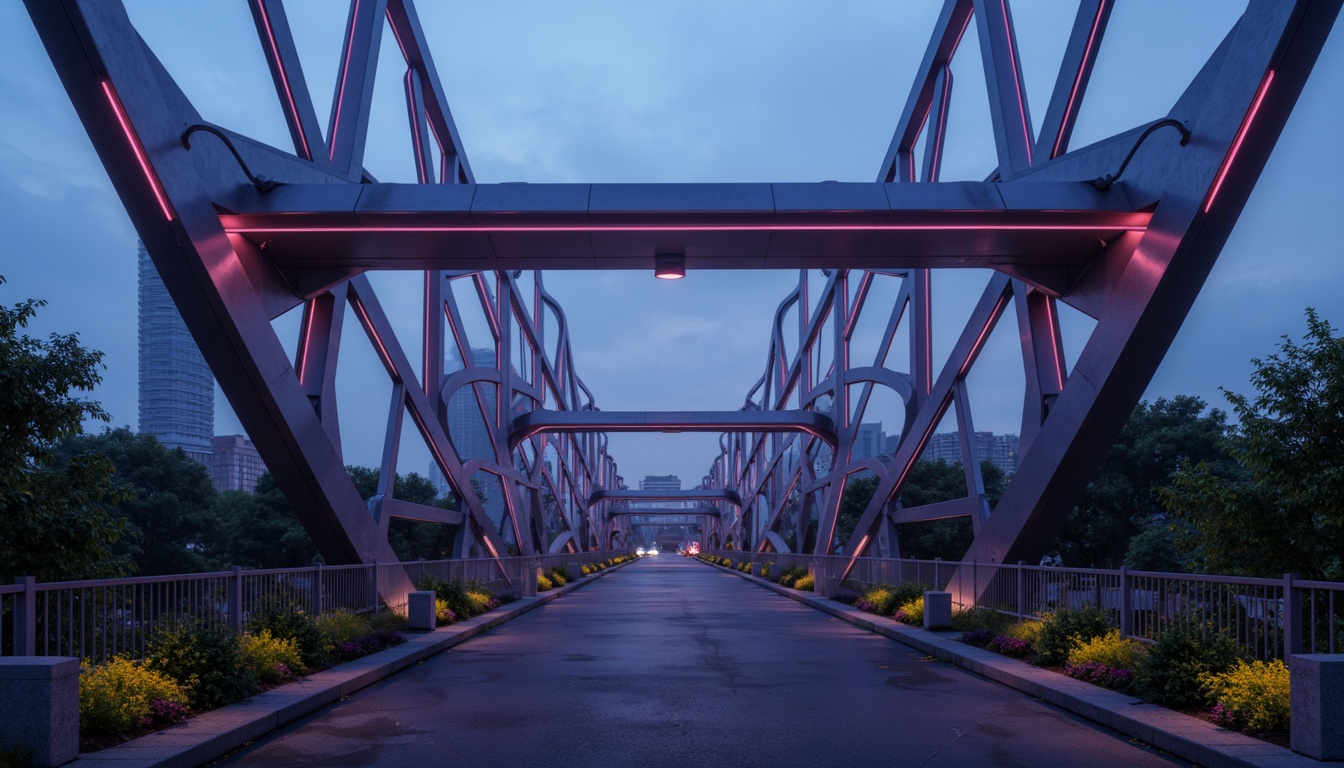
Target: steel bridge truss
[{"x": 1124, "y": 230}]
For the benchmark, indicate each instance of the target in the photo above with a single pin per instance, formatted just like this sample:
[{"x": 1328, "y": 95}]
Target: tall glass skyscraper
[{"x": 177, "y": 391}]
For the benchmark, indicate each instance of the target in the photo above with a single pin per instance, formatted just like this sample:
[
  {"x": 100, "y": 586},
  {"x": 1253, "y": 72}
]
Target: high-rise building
[
  {"x": 660, "y": 483},
  {"x": 869, "y": 440},
  {"x": 235, "y": 464},
  {"x": 469, "y": 431},
  {"x": 177, "y": 391},
  {"x": 999, "y": 450}
]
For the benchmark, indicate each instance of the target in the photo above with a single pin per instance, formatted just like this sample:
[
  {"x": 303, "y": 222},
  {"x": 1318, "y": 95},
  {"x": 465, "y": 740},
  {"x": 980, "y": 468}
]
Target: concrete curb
[
  {"x": 1181, "y": 735},
  {"x": 212, "y": 734}
]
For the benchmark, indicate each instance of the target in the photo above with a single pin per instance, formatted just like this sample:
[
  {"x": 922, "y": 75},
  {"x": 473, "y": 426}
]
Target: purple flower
[
  {"x": 164, "y": 712},
  {"x": 1100, "y": 674},
  {"x": 978, "y": 637},
  {"x": 864, "y": 605},
  {"x": 1009, "y": 646}
]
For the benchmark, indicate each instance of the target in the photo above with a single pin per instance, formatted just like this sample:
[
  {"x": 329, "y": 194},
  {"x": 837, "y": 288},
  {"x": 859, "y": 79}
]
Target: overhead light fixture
[{"x": 669, "y": 266}]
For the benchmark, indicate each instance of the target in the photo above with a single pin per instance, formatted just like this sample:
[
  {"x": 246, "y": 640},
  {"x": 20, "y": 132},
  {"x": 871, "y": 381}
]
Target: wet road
[{"x": 669, "y": 662}]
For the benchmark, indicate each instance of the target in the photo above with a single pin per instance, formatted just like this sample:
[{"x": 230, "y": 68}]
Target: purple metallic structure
[{"x": 1125, "y": 231}]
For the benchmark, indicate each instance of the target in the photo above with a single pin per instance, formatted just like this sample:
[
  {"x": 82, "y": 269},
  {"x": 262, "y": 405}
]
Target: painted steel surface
[{"x": 235, "y": 251}]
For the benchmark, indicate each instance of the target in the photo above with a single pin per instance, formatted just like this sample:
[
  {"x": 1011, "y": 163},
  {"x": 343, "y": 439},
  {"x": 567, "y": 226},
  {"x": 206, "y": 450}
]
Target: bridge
[{"x": 1124, "y": 231}]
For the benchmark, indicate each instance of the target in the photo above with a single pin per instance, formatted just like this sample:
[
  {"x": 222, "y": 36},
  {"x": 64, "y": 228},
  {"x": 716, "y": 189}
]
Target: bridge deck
[{"x": 670, "y": 662}]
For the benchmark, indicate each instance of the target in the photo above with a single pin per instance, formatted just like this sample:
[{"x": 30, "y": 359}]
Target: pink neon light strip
[
  {"x": 1057, "y": 360},
  {"x": 284, "y": 80},
  {"x": 714, "y": 228},
  {"x": 1088, "y": 52},
  {"x": 377, "y": 340},
  {"x": 139, "y": 150},
  {"x": 1017, "y": 79},
  {"x": 980, "y": 340},
  {"x": 304, "y": 352},
  {"x": 421, "y": 167},
  {"x": 345, "y": 70},
  {"x": 1241, "y": 136}
]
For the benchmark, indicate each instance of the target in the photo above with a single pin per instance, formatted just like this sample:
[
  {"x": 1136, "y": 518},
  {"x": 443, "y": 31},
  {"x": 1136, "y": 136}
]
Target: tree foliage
[
  {"x": 1158, "y": 439},
  {"x": 53, "y": 520},
  {"x": 1285, "y": 511},
  {"x": 167, "y": 501}
]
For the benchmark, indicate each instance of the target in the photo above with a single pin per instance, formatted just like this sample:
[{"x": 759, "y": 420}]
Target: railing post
[
  {"x": 236, "y": 598},
  {"x": 1292, "y": 619},
  {"x": 373, "y": 586},
  {"x": 1126, "y": 603},
  {"x": 25, "y": 617},
  {"x": 975, "y": 584},
  {"x": 317, "y": 590},
  {"x": 1021, "y": 591}
]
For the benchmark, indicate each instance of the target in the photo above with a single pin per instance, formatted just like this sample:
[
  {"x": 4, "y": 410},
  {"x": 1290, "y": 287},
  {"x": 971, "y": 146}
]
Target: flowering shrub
[
  {"x": 122, "y": 695},
  {"x": 1253, "y": 696},
  {"x": 978, "y": 637},
  {"x": 1008, "y": 645},
  {"x": 804, "y": 583},
  {"x": 880, "y": 600},
  {"x": 1110, "y": 650},
  {"x": 765, "y": 571},
  {"x": 911, "y": 612},
  {"x": 1097, "y": 673},
  {"x": 559, "y": 577},
  {"x": 285, "y": 619},
  {"x": 363, "y": 646},
  {"x": 1063, "y": 630},
  {"x": 443, "y": 615},
  {"x": 1026, "y": 631},
  {"x": 788, "y": 576},
  {"x": 544, "y": 583},
  {"x": 269, "y": 659},
  {"x": 340, "y": 627}
]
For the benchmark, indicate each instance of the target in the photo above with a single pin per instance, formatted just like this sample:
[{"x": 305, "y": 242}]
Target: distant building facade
[
  {"x": 469, "y": 431},
  {"x": 177, "y": 390},
  {"x": 234, "y": 464},
  {"x": 999, "y": 450}
]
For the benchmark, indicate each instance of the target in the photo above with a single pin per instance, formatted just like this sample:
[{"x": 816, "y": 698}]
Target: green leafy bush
[
  {"x": 443, "y": 615},
  {"x": 970, "y": 619},
  {"x": 1183, "y": 654},
  {"x": 1063, "y": 630},
  {"x": 270, "y": 659},
  {"x": 559, "y": 577},
  {"x": 804, "y": 583},
  {"x": 544, "y": 583},
  {"x": 1252, "y": 696},
  {"x": 387, "y": 620},
  {"x": 1027, "y": 631},
  {"x": 117, "y": 697},
  {"x": 1110, "y": 649},
  {"x": 341, "y": 627},
  {"x": 204, "y": 660},
  {"x": 286, "y": 620}
]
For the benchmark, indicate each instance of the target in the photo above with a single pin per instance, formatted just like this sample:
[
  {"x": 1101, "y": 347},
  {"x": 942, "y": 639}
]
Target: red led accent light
[
  {"x": 1241, "y": 136},
  {"x": 139, "y": 150},
  {"x": 1078, "y": 79},
  {"x": 1017, "y": 79},
  {"x": 247, "y": 229},
  {"x": 284, "y": 81},
  {"x": 345, "y": 70}
]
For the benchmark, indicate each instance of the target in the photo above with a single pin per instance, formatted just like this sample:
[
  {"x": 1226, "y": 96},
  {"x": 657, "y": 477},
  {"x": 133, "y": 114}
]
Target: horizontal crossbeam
[
  {"x": 715, "y": 494},
  {"x": 713, "y": 226},
  {"x": 536, "y": 422},
  {"x": 665, "y": 512}
]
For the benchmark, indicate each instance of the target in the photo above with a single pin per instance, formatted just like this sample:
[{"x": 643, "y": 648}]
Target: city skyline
[{"x": 735, "y": 112}]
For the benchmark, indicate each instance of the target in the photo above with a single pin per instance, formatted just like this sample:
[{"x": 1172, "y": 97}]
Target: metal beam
[
  {"x": 716, "y": 494},
  {"x": 714, "y": 226},
  {"x": 537, "y": 422}
]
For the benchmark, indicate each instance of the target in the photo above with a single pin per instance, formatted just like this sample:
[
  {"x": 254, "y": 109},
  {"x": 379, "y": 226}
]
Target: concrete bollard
[
  {"x": 574, "y": 572},
  {"x": 39, "y": 707},
  {"x": 937, "y": 610},
  {"x": 755, "y": 570},
  {"x": 1316, "y": 696},
  {"x": 821, "y": 585},
  {"x": 420, "y": 613}
]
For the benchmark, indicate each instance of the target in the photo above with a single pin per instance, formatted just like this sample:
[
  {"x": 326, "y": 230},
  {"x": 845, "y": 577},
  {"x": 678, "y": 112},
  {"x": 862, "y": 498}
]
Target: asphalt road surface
[{"x": 669, "y": 662}]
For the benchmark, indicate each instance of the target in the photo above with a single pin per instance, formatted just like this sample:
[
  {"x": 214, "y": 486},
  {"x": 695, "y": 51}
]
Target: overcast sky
[{"x": 670, "y": 92}]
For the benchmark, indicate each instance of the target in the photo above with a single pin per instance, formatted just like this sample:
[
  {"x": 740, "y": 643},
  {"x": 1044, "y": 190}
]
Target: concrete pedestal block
[
  {"x": 755, "y": 570},
  {"x": 420, "y": 613},
  {"x": 39, "y": 707},
  {"x": 821, "y": 585},
  {"x": 574, "y": 571},
  {"x": 1317, "y": 700},
  {"x": 937, "y": 610}
]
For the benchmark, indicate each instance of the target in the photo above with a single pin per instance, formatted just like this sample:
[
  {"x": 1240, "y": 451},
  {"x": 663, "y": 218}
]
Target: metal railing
[
  {"x": 1269, "y": 618},
  {"x": 102, "y": 618}
]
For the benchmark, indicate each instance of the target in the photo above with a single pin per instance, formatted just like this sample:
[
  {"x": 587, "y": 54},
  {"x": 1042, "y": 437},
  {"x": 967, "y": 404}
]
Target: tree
[
  {"x": 53, "y": 520},
  {"x": 167, "y": 500},
  {"x": 929, "y": 482},
  {"x": 1285, "y": 511},
  {"x": 260, "y": 530},
  {"x": 1157, "y": 440},
  {"x": 411, "y": 539}
]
